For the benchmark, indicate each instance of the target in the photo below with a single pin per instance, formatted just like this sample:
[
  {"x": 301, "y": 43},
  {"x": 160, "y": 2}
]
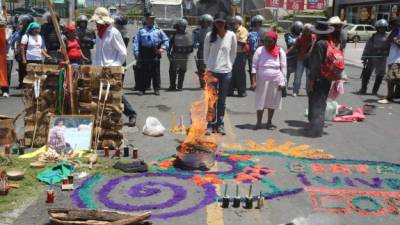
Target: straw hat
[
  {"x": 322, "y": 27},
  {"x": 335, "y": 21},
  {"x": 101, "y": 16}
]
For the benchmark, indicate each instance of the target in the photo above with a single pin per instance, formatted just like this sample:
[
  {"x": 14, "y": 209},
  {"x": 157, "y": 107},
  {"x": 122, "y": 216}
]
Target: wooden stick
[{"x": 57, "y": 28}]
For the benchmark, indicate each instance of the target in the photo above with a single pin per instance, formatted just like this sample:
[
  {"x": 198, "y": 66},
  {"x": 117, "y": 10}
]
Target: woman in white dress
[{"x": 269, "y": 70}]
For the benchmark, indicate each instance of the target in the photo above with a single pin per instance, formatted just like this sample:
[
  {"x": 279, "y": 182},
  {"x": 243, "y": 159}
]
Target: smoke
[{"x": 316, "y": 219}]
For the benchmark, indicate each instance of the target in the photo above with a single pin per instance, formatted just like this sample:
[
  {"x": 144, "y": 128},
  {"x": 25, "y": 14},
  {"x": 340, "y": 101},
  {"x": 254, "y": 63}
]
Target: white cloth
[
  {"x": 10, "y": 52},
  {"x": 220, "y": 55},
  {"x": 34, "y": 46},
  {"x": 268, "y": 95},
  {"x": 111, "y": 50},
  {"x": 394, "y": 54}
]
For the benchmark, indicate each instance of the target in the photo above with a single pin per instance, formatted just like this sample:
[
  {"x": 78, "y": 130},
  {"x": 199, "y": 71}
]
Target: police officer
[
  {"x": 199, "y": 35},
  {"x": 255, "y": 41},
  {"x": 86, "y": 37},
  {"x": 238, "y": 81},
  {"x": 23, "y": 23},
  {"x": 374, "y": 57},
  {"x": 49, "y": 36},
  {"x": 180, "y": 46},
  {"x": 149, "y": 44},
  {"x": 290, "y": 38}
]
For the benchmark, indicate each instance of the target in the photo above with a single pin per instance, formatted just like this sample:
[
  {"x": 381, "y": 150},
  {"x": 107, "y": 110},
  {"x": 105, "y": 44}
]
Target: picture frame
[{"x": 70, "y": 133}]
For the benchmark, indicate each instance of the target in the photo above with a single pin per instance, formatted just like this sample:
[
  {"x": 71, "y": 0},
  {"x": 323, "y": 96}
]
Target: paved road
[{"x": 363, "y": 188}]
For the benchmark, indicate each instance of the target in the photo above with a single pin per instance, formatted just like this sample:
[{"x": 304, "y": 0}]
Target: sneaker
[
  {"x": 294, "y": 95},
  {"x": 157, "y": 92},
  {"x": 172, "y": 89},
  {"x": 209, "y": 131},
  {"x": 132, "y": 121},
  {"x": 221, "y": 130},
  {"x": 6, "y": 95},
  {"x": 383, "y": 101},
  {"x": 242, "y": 95},
  {"x": 141, "y": 93}
]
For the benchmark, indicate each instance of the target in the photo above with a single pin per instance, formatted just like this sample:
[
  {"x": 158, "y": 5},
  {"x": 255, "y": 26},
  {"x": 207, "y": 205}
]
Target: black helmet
[
  {"x": 149, "y": 14},
  {"x": 82, "y": 18},
  {"x": 237, "y": 19},
  {"x": 206, "y": 18},
  {"x": 297, "y": 27},
  {"x": 120, "y": 20},
  {"x": 25, "y": 19},
  {"x": 382, "y": 23},
  {"x": 257, "y": 19},
  {"x": 181, "y": 23}
]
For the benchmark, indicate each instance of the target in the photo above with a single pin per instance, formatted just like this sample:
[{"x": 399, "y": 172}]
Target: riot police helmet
[
  {"x": 120, "y": 20},
  {"x": 181, "y": 23},
  {"x": 25, "y": 19},
  {"x": 206, "y": 18},
  {"x": 257, "y": 19},
  {"x": 82, "y": 18},
  {"x": 382, "y": 23},
  {"x": 297, "y": 27},
  {"x": 237, "y": 20}
]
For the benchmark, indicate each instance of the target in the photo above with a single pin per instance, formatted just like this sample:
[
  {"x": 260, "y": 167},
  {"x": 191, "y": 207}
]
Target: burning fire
[{"x": 202, "y": 112}]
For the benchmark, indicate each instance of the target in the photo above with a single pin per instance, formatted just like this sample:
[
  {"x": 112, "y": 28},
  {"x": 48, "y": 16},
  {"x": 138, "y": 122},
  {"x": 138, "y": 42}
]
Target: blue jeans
[
  {"x": 298, "y": 75},
  {"x": 221, "y": 86},
  {"x": 9, "y": 70}
]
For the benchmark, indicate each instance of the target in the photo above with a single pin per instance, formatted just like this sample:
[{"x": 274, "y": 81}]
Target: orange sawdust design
[
  {"x": 165, "y": 164},
  {"x": 239, "y": 157},
  {"x": 288, "y": 148},
  {"x": 206, "y": 179}
]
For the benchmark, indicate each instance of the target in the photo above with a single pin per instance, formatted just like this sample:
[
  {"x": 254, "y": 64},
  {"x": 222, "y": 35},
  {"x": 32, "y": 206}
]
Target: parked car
[
  {"x": 359, "y": 32},
  {"x": 40, "y": 10},
  {"x": 21, "y": 11}
]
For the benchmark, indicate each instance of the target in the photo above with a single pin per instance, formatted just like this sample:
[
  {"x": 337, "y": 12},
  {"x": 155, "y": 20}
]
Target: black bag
[{"x": 284, "y": 92}]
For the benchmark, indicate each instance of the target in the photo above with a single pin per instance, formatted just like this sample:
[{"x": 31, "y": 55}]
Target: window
[
  {"x": 360, "y": 28},
  {"x": 370, "y": 28}
]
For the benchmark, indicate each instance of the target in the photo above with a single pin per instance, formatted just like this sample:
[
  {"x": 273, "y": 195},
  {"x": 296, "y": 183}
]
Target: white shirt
[
  {"x": 220, "y": 55},
  {"x": 111, "y": 50},
  {"x": 394, "y": 54},
  {"x": 10, "y": 52},
  {"x": 34, "y": 46}
]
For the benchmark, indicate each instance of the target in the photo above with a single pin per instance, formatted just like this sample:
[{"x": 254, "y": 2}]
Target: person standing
[
  {"x": 120, "y": 23},
  {"x": 110, "y": 50},
  {"x": 199, "y": 34},
  {"x": 51, "y": 41},
  {"x": 374, "y": 56},
  {"x": 180, "y": 46},
  {"x": 290, "y": 38},
  {"x": 86, "y": 37},
  {"x": 254, "y": 40},
  {"x": 303, "y": 43},
  {"x": 319, "y": 86},
  {"x": 75, "y": 55},
  {"x": 149, "y": 44},
  {"x": 32, "y": 46},
  {"x": 10, "y": 58},
  {"x": 220, "y": 46},
  {"x": 269, "y": 72},
  {"x": 239, "y": 66},
  {"x": 393, "y": 62},
  {"x": 23, "y": 23}
]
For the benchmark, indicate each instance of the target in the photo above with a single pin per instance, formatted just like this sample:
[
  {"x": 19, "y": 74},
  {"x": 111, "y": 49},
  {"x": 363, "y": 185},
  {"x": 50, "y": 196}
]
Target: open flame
[{"x": 202, "y": 112}]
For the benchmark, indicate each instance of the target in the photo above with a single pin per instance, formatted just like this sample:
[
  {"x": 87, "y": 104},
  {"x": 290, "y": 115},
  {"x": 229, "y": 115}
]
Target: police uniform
[
  {"x": 52, "y": 44},
  {"x": 239, "y": 66},
  {"x": 199, "y": 35},
  {"x": 86, "y": 41},
  {"x": 146, "y": 43},
  {"x": 375, "y": 53},
  {"x": 255, "y": 41},
  {"x": 181, "y": 45}
]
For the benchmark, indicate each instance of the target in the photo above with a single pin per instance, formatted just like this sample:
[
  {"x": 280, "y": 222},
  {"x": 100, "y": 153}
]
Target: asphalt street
[{"x": 374, "y": 142}]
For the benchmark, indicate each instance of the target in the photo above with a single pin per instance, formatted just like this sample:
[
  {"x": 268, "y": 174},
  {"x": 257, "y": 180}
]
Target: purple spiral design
[{"x": 149, "y": 188}]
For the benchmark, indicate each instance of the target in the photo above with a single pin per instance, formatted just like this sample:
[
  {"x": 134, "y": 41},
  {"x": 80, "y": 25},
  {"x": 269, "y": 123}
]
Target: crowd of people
[{"x": 224, "y": 46}]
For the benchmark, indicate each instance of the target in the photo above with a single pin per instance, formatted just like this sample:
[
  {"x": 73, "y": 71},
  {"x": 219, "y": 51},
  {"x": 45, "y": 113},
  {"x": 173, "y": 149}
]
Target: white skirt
[{"x": 268, "y": 95}]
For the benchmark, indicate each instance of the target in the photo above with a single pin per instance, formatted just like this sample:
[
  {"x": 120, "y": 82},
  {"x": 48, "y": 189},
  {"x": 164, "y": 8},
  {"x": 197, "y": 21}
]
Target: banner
[
  {"x": 3, "y": 59},
  {"x": 295, "y": 5},
  {"x": 315, "y": 4},
  {"x": 274, "y": 3}
]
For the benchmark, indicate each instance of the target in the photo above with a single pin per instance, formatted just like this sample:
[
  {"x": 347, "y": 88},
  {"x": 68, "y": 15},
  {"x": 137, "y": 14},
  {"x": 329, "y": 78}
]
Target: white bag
[{"x": 153, "y": 127}]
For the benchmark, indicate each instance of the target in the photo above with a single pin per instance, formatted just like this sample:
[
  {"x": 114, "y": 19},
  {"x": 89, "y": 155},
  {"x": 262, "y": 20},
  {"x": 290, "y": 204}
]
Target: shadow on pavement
[
  {"x": 296, "y": 123},
  {"x": 246, "y": 126}
]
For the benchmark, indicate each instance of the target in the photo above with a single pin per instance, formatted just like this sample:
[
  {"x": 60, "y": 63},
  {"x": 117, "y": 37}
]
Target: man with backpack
[{"x": 326, "y": 64}]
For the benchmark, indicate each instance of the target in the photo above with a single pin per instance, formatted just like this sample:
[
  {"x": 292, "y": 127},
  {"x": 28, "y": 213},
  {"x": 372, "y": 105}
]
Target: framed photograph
[{"x": 70, "y": 133}]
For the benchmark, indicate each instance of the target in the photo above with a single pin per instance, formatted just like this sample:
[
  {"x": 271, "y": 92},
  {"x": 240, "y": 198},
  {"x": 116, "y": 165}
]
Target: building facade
[{"x": 366, "y": 11}]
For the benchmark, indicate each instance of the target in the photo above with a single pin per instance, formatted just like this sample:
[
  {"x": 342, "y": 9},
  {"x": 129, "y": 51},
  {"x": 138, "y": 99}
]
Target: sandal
[{"x": 258, "y": 126}]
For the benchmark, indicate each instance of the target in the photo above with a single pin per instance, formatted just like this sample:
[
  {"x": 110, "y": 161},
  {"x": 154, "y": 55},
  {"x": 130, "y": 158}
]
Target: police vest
[
  {"x": 183, "y": 43},
  {"x": 380, "y": 45},
  {"x": 86, "y": 38},
  {"x": 202, "y": 35}
]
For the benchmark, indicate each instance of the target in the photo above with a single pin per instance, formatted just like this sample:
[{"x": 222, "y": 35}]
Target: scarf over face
[
  {"x": 275, "y": 49},
  {"x": 101, "y": 29}
]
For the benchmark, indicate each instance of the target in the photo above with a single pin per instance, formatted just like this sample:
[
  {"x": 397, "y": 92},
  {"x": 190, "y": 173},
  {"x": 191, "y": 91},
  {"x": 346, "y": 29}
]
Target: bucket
[
  {"x": 369, "y": 109},
  {"x": 197, "y": 159}
]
